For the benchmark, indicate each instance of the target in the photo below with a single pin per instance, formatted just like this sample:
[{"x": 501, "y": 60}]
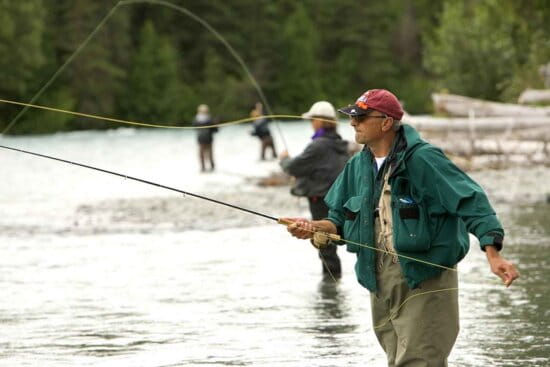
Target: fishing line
[
  {"x": 61, "y": 68},
  {"x": 399, "y": 255},
  {"x": 394, "y": 313},
  {"x": 174, "y": 7},
  {"x": 144, "y": 124},
  {"x": 225, "y": 43}
]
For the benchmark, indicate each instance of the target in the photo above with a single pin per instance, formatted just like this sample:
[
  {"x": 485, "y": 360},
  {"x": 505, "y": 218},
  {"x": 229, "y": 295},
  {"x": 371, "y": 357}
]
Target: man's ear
[{"x": 387, "y": 124}]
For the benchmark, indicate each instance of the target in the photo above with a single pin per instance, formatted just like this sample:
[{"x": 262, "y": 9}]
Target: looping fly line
[{"x": 144, "y": 124}]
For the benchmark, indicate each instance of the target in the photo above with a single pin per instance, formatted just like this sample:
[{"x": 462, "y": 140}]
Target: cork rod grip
[{"x": 332, "y": 236}]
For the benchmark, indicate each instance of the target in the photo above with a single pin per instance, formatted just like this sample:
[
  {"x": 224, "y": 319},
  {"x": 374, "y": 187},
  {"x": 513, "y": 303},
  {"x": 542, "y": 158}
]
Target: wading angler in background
[
  {"x": 260, "y": 128},
  {"x": 316, "y": 168},
  {"x": 205, "y": 136},
  {"x": 406, "y": 210}
]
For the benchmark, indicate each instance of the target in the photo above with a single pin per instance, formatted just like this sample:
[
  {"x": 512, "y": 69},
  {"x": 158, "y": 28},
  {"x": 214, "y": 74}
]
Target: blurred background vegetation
[{"x": 152, "y": 64}]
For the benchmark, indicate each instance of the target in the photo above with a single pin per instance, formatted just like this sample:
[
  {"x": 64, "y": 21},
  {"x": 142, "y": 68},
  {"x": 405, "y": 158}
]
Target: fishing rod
[
  {"x": 278, "y": 220},
  {"x": 283, "y": 221},
  {"x": 286, "y": 222},
  {"x": 146, "y": 182}
]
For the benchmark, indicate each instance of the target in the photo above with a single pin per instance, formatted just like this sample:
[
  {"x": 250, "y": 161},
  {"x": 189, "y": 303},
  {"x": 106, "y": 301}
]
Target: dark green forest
[{"x": 154, "y": 61}]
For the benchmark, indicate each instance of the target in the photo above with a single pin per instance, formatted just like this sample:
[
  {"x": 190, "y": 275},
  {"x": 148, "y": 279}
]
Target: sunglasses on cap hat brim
[{"x": 353, "y": 110}]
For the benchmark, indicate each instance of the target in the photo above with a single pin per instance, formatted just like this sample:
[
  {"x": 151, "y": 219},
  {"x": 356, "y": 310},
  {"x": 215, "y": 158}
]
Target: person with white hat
[{"x": 316, "y": 168}]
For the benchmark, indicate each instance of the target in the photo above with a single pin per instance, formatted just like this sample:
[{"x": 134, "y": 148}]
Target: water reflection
[
  {"x": 332, "y": 322},
  {"x": 531, "y": 220},
  {"x": 329, "y": 304},
  {"x": 523, "y": 311}
]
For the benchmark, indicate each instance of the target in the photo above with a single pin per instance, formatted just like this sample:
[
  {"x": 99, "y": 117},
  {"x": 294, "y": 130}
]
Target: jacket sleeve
[
  {"x": 448, "y": 190},
  {"x": 305, "y": 163}
]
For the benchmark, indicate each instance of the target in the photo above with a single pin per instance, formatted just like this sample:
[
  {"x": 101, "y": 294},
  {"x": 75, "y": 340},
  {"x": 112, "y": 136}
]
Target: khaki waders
[{"x": 414, "y": 331}]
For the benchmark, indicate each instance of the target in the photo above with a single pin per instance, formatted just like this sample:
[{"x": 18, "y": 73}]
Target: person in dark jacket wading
[
  {"x": 205, "y": 136},
  {"x": 260, "y": 128},
  {"x": 316, "y": 168},
  {"x": 413, "y": 207}
]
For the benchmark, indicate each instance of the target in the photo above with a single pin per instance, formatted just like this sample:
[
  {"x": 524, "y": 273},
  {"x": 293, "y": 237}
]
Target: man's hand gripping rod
[{"x": 320, "y": 239}]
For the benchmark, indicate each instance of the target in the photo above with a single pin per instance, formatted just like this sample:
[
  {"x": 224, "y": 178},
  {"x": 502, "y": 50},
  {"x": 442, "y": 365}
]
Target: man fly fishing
[{"x": 406, "y": 198}]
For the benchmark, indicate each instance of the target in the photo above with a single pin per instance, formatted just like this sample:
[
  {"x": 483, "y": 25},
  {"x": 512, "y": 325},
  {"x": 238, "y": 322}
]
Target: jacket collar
[{"x": 406, "y": 141}]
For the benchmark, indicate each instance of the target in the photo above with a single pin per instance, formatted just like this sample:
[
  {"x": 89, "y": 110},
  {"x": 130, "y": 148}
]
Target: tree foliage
[
  {"x": 481, "y": 48},
  {"x": 299, "y": 78},
  {"x": 153, "y": 83},
  {"x": 156, "y": 63}
]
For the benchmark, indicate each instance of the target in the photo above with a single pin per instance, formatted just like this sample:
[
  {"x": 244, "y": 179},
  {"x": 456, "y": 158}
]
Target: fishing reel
[{"x": 322, "y": 240}]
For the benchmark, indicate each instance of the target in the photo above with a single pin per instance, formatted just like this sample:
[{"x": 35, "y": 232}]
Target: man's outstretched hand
[{"x": 503, "y": 268}]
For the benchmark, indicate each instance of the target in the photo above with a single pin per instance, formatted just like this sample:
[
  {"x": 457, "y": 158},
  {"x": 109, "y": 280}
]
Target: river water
[{"x": 96, "y": 270}]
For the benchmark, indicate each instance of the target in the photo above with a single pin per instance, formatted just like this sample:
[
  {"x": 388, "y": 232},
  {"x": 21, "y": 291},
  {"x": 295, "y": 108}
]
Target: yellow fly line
[
  {"x": 395, "y": 313},
  {"x": 144, "y": 124},
  {"x": 205, "y": 127},
  {"x": 395, "y": 254},
  {"x": 399, "y": 255}
]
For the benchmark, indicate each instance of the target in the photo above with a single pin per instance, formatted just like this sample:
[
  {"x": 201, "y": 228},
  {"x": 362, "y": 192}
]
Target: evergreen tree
[
  {"x": 21, "y": 47},
  {"x": 96, "y": 74},
  {"x": 361, "y": 47},
  {"x": 299, "y": 76},
  {"x": 532, "y": 42},
  {"x": 153, "y": 86},
  {"x": 476, "y": 60}
]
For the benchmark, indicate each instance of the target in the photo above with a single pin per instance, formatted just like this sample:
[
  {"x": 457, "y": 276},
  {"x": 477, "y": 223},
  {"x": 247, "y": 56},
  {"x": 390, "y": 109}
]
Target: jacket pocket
[
  {"x": 352, "y": 211},
  {"x": 410, "y": 224}
]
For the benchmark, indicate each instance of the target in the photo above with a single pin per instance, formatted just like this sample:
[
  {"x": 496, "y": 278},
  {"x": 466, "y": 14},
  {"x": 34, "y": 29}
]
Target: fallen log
[
  {"x": 533, "y": 96},
  {"x": 464, "y": 147},
  {"x": 455, "y": 105},
  {"x": 487, "y": 124}
]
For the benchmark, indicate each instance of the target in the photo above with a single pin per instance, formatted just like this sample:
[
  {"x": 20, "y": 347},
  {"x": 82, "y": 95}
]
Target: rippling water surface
[{"x": 100, "y": 271}]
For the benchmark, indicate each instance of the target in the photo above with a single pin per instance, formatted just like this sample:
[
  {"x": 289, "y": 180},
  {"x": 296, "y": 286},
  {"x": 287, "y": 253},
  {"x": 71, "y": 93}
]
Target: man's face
[
  {"x": 316, "y": 123},
  {"x": 368, "y": 128}
]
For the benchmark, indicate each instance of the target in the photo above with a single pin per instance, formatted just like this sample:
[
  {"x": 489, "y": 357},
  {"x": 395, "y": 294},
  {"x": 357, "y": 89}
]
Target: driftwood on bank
[
  {"x": 489, "y": 142},
  {"x": 460, "y": 106},
  {"x": 481, "y": 124},
  {"x": 533, "y": 96},
  {"x": 483, "y": 134}
]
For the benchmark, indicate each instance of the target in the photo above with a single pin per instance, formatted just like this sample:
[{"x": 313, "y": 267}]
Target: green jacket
[{"x": 434, "y": 206}]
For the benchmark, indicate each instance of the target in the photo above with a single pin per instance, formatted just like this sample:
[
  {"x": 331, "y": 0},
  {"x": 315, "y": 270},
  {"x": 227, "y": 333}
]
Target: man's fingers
[
  {"x": 508, "y": 274},
  {"x": 507, "y": 279},
  {"x": 504, "y": 277},
  {"x": 300, "y": 228}
]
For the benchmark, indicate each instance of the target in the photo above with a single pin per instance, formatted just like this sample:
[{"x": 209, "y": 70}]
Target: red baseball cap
[{"x": 377, "y": 99}]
